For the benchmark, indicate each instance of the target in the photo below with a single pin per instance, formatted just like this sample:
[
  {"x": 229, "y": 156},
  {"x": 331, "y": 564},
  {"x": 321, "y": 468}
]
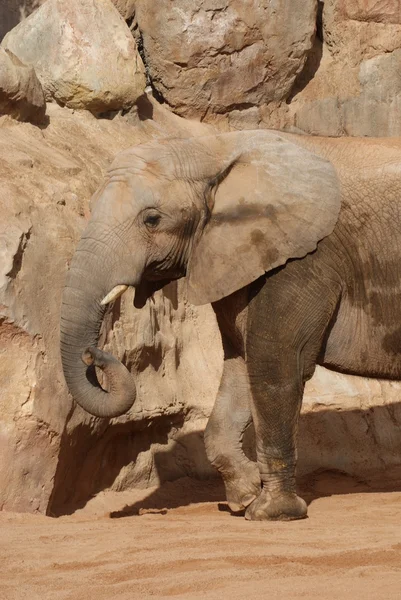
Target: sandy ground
[{"x": 181, "y": 542}]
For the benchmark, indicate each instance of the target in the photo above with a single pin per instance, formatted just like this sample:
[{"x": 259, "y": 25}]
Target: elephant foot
[
  {"x": 283, "y": 507},
  {"x": 243, "y": 488}
]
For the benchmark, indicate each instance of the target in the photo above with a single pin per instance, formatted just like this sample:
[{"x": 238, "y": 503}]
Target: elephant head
[{"x": 221, "y": 210}]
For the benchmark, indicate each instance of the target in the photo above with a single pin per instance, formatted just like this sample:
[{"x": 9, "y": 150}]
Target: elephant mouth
[
  {"x": 150, "y": 282},
  {"x": 146, "y": 289},
  {"x": 143, "y": 292}
]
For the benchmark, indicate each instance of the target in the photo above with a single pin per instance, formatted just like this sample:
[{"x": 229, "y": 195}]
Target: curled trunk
[{"x": 81, "y": 319}]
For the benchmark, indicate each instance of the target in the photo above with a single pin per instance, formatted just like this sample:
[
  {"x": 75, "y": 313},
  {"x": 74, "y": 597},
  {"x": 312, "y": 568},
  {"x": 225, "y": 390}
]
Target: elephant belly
[
  {"x": 365, "y": 253},
  {"x": 366, "y": 337}
]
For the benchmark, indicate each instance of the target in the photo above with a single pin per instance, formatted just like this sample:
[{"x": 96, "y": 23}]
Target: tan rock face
[
  {"x": 21, "y": 94},
  {"x": 385, "y": 11},
  {"x": 83, "y": 54},
  {"x": 45, "y": 186},
  {"x": 362, "y": 29},
  {"x": 352, "y": 86},
  {"x": 213, "y": 57},
  {"x": 227, "y": 65},
  {"x": 51, "y": 452}
]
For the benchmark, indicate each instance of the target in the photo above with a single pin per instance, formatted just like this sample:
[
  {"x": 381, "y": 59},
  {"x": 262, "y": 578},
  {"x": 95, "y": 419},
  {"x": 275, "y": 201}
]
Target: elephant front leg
[
  {"x": 275, "y": 413},
  {"x": 286, "y": 327},
  {"x": 224, "y": 433}
]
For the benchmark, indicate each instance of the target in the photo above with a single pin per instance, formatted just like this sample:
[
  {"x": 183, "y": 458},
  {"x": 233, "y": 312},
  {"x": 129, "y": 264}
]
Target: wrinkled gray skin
[{"x": 224, "y": 210}]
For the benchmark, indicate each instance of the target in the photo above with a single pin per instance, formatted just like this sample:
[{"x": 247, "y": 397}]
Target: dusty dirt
[{"x": 180, "y": 541}]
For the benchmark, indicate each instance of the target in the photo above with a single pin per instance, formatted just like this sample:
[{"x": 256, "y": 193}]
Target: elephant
[{"x": 294, "y": 240}]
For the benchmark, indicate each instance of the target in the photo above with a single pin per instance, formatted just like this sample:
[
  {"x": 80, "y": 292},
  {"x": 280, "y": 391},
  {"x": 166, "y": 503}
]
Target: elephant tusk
[{"x": 115, "y": 293}]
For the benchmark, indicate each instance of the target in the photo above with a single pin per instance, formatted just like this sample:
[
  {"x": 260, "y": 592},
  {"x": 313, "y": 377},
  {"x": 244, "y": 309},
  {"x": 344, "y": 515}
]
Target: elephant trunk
[{"x": 81, "y": 319}]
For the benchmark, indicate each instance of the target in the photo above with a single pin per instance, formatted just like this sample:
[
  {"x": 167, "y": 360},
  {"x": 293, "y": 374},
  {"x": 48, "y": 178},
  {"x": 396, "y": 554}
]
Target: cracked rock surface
[{"x": 214, "y": 57}]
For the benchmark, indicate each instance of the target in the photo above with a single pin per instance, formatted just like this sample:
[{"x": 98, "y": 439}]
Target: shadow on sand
[
  {"x": 340, "y": 452},
  {"x": 320, "y": 484}
]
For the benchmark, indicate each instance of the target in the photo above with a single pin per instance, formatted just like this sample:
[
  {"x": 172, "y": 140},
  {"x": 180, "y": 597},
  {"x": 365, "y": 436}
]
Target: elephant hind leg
[{"x": 224, "y": 433}]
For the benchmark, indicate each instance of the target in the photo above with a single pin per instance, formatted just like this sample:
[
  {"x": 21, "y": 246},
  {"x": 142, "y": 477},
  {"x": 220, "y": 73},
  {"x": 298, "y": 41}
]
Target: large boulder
[
  {"x": 21, "y": 94},
  {"x": 214, "y": 57},
  {"x": 83, "y": 54}
]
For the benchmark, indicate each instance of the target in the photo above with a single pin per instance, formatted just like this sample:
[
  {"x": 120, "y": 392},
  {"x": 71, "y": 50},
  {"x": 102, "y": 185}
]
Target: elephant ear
[{"x": 276, "y": 201}]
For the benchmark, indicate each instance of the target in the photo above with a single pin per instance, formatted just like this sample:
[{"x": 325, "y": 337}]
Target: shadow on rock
[
  {"x": 325, "y": 483},
  {"x": 132, "y": 455}
]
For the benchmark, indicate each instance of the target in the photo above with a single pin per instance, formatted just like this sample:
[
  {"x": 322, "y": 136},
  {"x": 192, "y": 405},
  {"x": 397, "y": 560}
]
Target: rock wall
[
  {"x": 326, "y": 68},
  {"x": 352, "y": 83},
  {"x": 320, "y": 68},
  {"x": 323, "y": 67},
  {"x": 51, "y": 451}
]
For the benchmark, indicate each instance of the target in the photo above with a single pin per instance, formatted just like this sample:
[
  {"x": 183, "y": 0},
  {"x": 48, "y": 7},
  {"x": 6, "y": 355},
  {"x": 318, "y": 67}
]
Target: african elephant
[{"x": 295, "y": 240}]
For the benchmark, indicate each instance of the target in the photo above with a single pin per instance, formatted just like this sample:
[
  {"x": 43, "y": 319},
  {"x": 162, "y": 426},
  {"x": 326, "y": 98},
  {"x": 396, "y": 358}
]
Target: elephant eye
[{"x": 151, "y": 220}]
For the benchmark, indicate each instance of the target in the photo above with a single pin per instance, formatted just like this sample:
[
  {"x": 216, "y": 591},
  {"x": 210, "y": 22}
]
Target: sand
[{"x": 181, "y": 542}]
